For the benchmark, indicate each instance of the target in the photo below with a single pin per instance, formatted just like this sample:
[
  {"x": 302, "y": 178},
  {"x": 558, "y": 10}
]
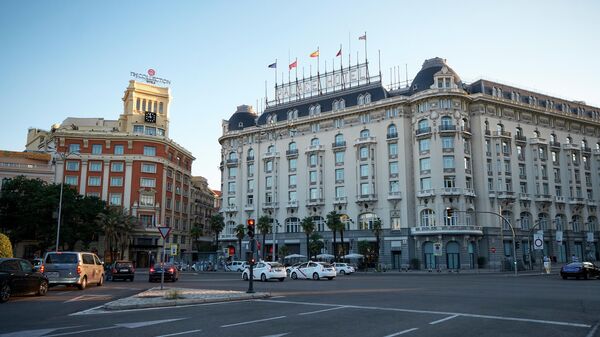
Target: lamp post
[
  {"x": 62, "y": 156},
  {"x": 275, "y": 226},
  {"x": 536, "y": 224}
]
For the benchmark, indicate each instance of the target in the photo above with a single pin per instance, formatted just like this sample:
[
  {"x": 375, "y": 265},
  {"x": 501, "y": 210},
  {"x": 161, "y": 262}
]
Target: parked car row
[{"x": 265, "y": 271}]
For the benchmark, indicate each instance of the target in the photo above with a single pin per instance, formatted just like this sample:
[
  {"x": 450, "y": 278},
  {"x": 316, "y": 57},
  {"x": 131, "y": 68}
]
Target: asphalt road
[{"x": 384, "y": 304}]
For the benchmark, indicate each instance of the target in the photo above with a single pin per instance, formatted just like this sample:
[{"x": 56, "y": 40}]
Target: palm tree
[
  {"x": 117, "y": 226},
  {"x": 264, "y": 225},
  {"x": 377, "y": 232},
  {"x": 333, "y": 223},
  {"x": 129, "y": 222},
  {"x": 341, "y": 229},
  {"x": 217, "y": 224},
  {"x": 308, "y": 226},
  {"x": 240, "y": 232},
  {"x": 196, "y": 232}
]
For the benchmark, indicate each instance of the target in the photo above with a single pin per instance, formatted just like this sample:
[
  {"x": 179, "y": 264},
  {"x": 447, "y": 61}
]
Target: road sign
[
  {"x": 538, "y": 241},
  {"x": 164, "y": 231},
  {"x": 437, "y": 249},
  {"x": 493, "y": 249}
]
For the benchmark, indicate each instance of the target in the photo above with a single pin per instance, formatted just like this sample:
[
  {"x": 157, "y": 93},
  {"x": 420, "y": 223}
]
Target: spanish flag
[{"x": 315, "y": 54}]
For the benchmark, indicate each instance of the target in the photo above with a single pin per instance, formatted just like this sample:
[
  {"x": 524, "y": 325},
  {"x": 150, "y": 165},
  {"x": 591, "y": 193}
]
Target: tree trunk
[
  {"x": 334, "y": 246},
  {"x": 307, "y": 247},
  {"x": 240, "y": 249},
  {"x": 263, "y": 246}
]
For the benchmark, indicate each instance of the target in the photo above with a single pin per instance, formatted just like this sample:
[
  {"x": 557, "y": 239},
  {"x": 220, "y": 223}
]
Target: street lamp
[
  {"x": 62, "y": 156},
  {"x": 275, "y": 226}
]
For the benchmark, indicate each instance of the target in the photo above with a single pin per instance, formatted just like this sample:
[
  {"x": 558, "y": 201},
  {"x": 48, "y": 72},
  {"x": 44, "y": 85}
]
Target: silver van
[{"x": 73, "y": 268}]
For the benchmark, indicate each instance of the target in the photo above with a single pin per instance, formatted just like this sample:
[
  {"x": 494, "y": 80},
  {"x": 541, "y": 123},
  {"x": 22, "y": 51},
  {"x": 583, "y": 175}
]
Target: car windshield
[
  {"x": 326, "y": 265},
  {"x": 275, "y": 264},
  {"x": 575, "y": 264},
  {"x": 61, "y": 258},
  {"x": 123, "y": 265}
]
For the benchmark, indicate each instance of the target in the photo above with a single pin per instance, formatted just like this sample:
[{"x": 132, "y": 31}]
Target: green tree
[
  {"x": 377, "y": 229},
  {"x": 240, "y": 232},
  {"x": 334, "y": 223},
  {"x": 217, "y": 224},
  {"x": 308, "y": 226},
  {"x": 264, "y": 226},
  {"x": 78, "y": 222},
  {"x": 341, "y": 229},
  {"x": 316, "y": 244},
  {"x": 196, "y": 232},
  {"x": 5, "y": 246},
  {"x": 283, "y": 251}
]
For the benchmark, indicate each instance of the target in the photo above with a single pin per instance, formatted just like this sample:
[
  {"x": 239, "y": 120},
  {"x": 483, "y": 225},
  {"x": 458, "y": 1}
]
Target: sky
[{"x": 62, "y": 59}]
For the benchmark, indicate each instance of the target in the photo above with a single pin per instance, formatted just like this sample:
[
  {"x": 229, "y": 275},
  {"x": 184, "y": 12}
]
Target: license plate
[
  {"x": 52, "y": 274},
  {"x": 123, "y": 270}
]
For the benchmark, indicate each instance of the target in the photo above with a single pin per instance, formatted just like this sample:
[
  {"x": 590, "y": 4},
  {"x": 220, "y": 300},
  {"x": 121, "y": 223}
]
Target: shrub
[
  {"x": 5, "y": 246},
  {"x": 173, "y": 294}
]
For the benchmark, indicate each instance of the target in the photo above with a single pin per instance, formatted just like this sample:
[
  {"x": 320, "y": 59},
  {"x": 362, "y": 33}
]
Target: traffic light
[
  {"x": 517, "y": 245},
  {"x": 250, "y": 229}
]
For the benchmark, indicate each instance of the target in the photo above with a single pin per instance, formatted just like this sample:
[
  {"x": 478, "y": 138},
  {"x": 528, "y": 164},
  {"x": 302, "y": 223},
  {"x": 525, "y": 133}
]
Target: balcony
[
  {"x": 292, "y": 153},
  {"x": 447, "y": 128},
  {"x": 450, "y": 191},
  {"x": 487, "y": 132},
  {"x": 591, "y": 202},
  {"x": 597, "y": 152},
  {"x": 230, "y": 209},
  {"x": 365, "y": 140},
  {"x": 469, "y": 192},
  {"x": 544, "y": 197},
  {"x": 392, "y": 135},
  {"x": 560, "y": 199},
  {"x": 524, "y": 196},
  {"x": 504, "y": 134},
  {"x": 466, "y": 129},
  {"x": 520, "y": 138},
  {"x": 570, "y": 147},
  {"x": 425, "y": 193},
  {"x": 232, "y": 162},
  {"x": 435, "y": 230},
  {"x": 423, "y": 131},
  {"x": 248, "y": 207},
  {"x": 506, "y": 195},
  {"x": 292, "y": 204},
  {"x": 338, "y": 145},
  {"x": 315, "y": 202},
  {"x": 315, "y": 148},
  {"x": 586, "y": 149},
  {"x": 395, "y": 195},
  {"x": 340, "y": 201},
  {"x": 270, "y": 205},
  {"x": 576, "y": 201},
  {"x": 250, "y": 158},
  {"x": 269, "y": 155},
  {"x": 537, "y": 141},
  {"x": 554, "y": 144},
  {"x": 366, "y": 197}
]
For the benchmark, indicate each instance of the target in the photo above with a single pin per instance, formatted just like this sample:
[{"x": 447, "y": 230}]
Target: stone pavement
[{"x": 172, "y": 296}]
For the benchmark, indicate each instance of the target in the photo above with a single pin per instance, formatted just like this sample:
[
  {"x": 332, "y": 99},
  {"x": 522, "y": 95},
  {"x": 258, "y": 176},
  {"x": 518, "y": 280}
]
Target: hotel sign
[
  {"x": 150, "y": 78},
  {"x": 323, "y": 83}
]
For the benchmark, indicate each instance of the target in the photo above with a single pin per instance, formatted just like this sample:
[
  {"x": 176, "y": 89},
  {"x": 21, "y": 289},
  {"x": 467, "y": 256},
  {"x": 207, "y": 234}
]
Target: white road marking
[
  {"x": 120, "y": 325},
  {"x": 64, "y": 292},
  {"x": 319, "y": 311},
  {"x": 251, "y": 322},
  {"x": 277, "y": 296},
  {"x": 81, "y": 331},
  {"x": 402, "y": 332},
  {"x": 86, "y": 297},
  {"x": 443, "y": 319},
  {"x": 98, "y": 310},
  {"x": 180, "y": 333},
  {"x": 593, "y": 331},
  {"x": 35, "y": 333},
  {"x": 281, "y": 334},
  {"x": 504, "y": 318}
]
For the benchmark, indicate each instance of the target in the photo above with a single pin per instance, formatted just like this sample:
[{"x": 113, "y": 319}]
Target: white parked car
[
  {"x": 343, "y": 268},
  {"x": 288, "y": 269},
  {"x": 235, "y": 266},
  {"x": 314, "y": 270},
  {"x": 265, "y": 271}
]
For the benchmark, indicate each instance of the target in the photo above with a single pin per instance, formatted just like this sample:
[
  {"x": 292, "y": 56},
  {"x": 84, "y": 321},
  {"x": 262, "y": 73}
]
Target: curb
[{"x": 113, "y": 306}]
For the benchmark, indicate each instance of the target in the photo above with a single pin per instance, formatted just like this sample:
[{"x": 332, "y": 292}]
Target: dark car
[
  {"x": 18, "y": 277},
  {"x": 122, "y": 270},
  {"x": 579, "y": 270},
  {"x": 171, "y": 272}
]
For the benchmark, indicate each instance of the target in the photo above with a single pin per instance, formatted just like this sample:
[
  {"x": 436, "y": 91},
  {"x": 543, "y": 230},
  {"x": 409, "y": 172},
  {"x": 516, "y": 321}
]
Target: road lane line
[
  {"x": 445, "y": 313},
  {"x": 180, "y": 333},
  {"x": 251, "y": 322},
  {"x": 593, "y": 331},
  {"x": 443, "y": 319},
  {"x": 81, "y": 331},
  {"x": 402, "y": 332},
  {"x": 319, "y": 311}
]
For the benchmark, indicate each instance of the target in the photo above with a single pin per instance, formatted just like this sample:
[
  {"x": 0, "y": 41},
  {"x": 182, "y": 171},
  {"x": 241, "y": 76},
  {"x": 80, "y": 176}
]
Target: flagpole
[
  {"x": 275, "y": 72},
  {"x": 288, "y": 82}
]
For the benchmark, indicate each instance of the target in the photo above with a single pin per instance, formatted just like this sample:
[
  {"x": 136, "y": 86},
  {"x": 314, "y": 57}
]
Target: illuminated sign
[
  {"x": 324, "y": 83},
  {"x": 150, "y": 78}
]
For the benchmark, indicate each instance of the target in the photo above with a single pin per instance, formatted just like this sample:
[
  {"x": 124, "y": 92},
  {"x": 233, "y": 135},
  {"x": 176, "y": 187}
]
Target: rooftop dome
[
  {"x": 243, "y": 117},
  {"x": 424, "y": 78}
]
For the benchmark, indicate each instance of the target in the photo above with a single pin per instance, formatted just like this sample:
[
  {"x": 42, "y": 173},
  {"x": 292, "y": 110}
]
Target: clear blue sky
[{"x": 64, "y": 59}]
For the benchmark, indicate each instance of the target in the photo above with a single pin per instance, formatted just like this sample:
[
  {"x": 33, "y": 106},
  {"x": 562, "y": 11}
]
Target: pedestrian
[
  {"x": 574, "y": 258},
  {"x": 547, "y": 264}
]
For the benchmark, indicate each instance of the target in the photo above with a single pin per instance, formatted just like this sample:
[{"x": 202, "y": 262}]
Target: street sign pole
[
  {"x": 253, "y": 249},
  {"x": 164, "y": 232}
]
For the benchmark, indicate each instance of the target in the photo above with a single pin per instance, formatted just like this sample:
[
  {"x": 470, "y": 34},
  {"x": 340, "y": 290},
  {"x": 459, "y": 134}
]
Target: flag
[
  {"x": 363, "y": 37},
  {"x": 273, "y": 65},
  {"x": 339, "y": 53},
  {"x": 315, "y": 54},
  {"x": 293, "y": 64}
]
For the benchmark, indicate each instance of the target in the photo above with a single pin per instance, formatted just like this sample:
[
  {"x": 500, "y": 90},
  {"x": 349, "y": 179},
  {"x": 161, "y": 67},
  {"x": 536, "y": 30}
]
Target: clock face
[{"x": 150, "y": 117}]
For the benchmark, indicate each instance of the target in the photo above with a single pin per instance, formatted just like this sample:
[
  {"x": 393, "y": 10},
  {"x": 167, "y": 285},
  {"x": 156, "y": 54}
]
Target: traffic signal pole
[{"x": 250, "y": 230}]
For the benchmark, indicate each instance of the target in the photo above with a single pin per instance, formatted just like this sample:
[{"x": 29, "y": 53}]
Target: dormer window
[
  {"x": 360, "y": 100},
  {"x": 241, "y": 125},
  {"x": 367, "y": 98}
]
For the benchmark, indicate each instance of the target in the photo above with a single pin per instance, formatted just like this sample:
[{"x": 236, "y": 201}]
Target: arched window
[
  {"x": 232, "y": 155},
  {"x": 487, "y": 126},
  {"x": 446, "y": 121},
  {"x": 250, "y": 154},
  {"x": 597, "y": 146},
  {"x": 584, "y": 144},
  {"x": 317, "y": 109},
  {"x": 366, "y": 220},
  {"x": 336, "y": 105},
  {"x": 292, "y": 225},
  {"x": 367, "y": 98},
  {"x": 339, "y": 139},
  {"x": 536, "y": 134},
  {"x": 319, "y": 223},
  {"x": 364, "y": 133},
  {"x": 499, "y": 127},
  {"x": 592, "y": 224},
  {"x": 576, "y": 224},
  {"x": 508, "y": 216},
  {"x": 311, "y": 110},
  {"x": 392, "y": 131},
  {"x": 552, "y": 138},
  {"x": 290, "y": 115},
  {"x": 525, "y": 218},
  {"x": 342, "y": 104},
  {"x": 450, "y": 217},
  {"x": 292, "y": 146},
  {"x": 314, "y": 142},
  {"x": 423, "y": 123},
  {"x": 427, "y": 218},
  {"x": 271, "y": 149},
  {"x": 543, "y": 218},
  {"x": 560, "y": 220},
  {"x": 519, "y": 131},
  {"x": 569, "y": 140},
  {"x": 360, "y": 100}
]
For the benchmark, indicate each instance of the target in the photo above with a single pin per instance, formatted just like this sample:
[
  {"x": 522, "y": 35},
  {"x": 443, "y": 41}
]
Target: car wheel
[
  {"x": 4, "y": 293},
  {"x": 315, "y": 276},
  {"x": 294, "y": 276},
  {"x": 281, "y": 279},
  {"x": 564, "y": 277},
  {"x": 330, "y": 278},
  {"x": 245, "y": 277},
  {"x": 263, "y": 278},
  {"x": 101, "y": 282},
  {"x": 342, "y": 272},
  {"x": 83, "y": 283},
  {"x": 43, "y": 289}
]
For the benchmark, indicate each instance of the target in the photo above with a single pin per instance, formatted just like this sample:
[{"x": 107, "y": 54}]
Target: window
[
  {"x": 118, "y": 149},
  {"x": 147, "y": 220},
  {"x": 339, "y": 158},
  {"x": 148, "y": 168},
  {"x": 150, "y": 151},
  {"x": 447, "y": 143},
  {"x": 271, "y": 149},
  {"x": 392, "y": 131},
  {"x": 94, "y": 181},
  {"x": 427, "y": 218},
  {"x": 71, "y": 180},
  {"x": 339, "y": 122},
  {"x": 268, "y": 182},
  {"x": 250, "y": 170},
  {"x": 314, "y": 193},
  {"x": 147, "y": 182},
  {"x": 314, "y": 142},
  {"x": 315, "y": 127},
  {"x": 423, "y": 124},
  {"x": 312, "y": 160},
  {"x": 292, "y": 147},
  {"x": 293, "y": 164},
  {"x": 116, "y": 166},
  {"x": 97, "y": 149},
  {"x": 425, "y": 164},
  {"x": 250, "y": 185},
  {"x": 146, "y": 200},
  {"x": 424, "y": 145},
  {"x": 339, "y": 175},
  {"x": 449, "y": 181},
  {"x": 72, "y": 165},
  {"x": 292, "y": 196},
  {"x": 232, "y": 172},
  {"x": 95, "y": 166},
  {"x": 116, "y": 181},
  {"x": 74, "y": 148},
  {"x": 393, "y": 150},
  {"x": 138, "y": 129},
  {"x": 312, "y": 177},
  {"x": 150, "y": 130},
  {"x": 339, "y": 139},
  {"x": 364, "y": 189},
  {"x": 364, "y": 171},
  {"x": 339, "y": 192},
  {"x": 364, "y": 152},
  {"x": 394, "y": 168},
  {"x": 448, "y": 162},
  {"x": 114, "y": 199},
  {"x": 425, "y": 183},
  {"x": 394, "y": 186},
  {"x": 231, "y": 187},
  {"x": 365, "y": 118},
  {"x": 364, "y": 134}
]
